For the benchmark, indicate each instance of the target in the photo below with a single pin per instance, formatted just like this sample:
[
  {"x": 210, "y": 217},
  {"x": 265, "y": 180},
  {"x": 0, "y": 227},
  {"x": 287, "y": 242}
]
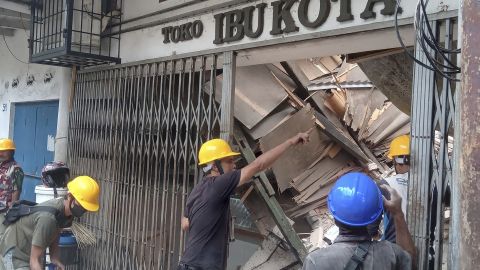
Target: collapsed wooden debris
[
  {"x": 361, "y": 115},
  {"x": 353, "y": 122}
]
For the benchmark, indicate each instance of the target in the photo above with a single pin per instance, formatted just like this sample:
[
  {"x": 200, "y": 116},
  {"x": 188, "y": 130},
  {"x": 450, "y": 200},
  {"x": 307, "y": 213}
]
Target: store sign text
[
  {"x": 237, "y": 24},
  {"x": 182, "y": 32}
]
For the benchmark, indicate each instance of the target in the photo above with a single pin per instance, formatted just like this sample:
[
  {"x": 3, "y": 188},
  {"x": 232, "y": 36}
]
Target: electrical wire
[
  {"x": 427, "y": 40},
  {"x": 438, "y": 58},
  {"x": 8, "y": 48},
  {"x": 10, "y": 51}
]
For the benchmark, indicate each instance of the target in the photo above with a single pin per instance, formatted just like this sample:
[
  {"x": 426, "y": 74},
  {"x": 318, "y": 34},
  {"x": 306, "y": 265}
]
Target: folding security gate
[
  {"x": 433, "y": 111},
  {"x": 137, "y": 130}
]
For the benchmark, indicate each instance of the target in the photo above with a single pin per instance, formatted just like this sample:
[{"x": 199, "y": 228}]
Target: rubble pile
[{"x": 354, "y": 125}]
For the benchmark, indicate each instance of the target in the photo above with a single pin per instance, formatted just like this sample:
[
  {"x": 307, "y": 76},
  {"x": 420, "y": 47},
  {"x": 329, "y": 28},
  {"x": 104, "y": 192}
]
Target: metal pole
[
  {"x": 454, "y": 230},
  {"x": 418, "y": 211},
  {"x": 468, "y": 165},
  {"x": 228, "y": 95}
]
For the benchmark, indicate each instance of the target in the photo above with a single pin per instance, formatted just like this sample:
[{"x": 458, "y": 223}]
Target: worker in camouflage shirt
[{"x": 11, "y": 175}]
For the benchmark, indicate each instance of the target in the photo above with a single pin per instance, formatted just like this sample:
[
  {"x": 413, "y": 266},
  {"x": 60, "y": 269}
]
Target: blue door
[{"x": 35, "y": 126}]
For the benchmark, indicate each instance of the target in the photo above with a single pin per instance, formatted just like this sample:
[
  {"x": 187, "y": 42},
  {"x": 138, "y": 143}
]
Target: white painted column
[{"x": 61, "y": 139}]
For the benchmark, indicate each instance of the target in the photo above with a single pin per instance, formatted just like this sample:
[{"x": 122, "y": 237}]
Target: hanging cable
[
  {"x": 438, "y": 58},
  {"x": 8, "y": 48}
]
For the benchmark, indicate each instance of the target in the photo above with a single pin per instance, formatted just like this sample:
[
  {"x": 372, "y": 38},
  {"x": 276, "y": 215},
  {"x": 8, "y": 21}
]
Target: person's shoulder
[
  {"x": 230, "y": 175},
  {"x": 57, "y": 202},
  {"x": 45, "y": 218},
  {"x": 328, "y": 252},
  {"x": 16, "y": 165},
  {"x": 332, "y": 257},
  {"x": 387, "y": 180},
  {"x": 392, "y": 246}
]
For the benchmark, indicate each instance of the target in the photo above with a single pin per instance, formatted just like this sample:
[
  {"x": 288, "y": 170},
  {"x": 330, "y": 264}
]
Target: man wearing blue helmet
[{"x": 355, "y": 202}]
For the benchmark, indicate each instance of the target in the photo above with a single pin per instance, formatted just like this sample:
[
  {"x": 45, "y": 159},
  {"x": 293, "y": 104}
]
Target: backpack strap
[
  {"x": 20, "y": 210},
  {"x": 358, "y": 257}
]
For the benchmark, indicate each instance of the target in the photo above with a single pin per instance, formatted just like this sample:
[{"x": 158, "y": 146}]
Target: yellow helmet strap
[
  {"x": 207, "y": 168},
  {"x": 218, "y": 164}
]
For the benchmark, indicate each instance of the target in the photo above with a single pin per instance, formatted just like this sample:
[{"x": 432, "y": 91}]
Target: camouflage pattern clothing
[{"x": 11, "y": 179}]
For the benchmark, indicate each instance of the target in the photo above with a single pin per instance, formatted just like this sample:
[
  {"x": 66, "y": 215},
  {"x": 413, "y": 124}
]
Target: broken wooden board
[
  {"x": 360, "y": 106},
  {"x": 326, "y": 186},
  {"x": 303, "y": 209},
  {"x": 387, "y": 123},
  {"x": 327, "y": 64},
  {"x": 298, "y": 158},
  {"x": 319, "y": 98},
  {"x": 278, "y": 116},
  {"x": 320, "y": 170},
  {"x": 310, "y": 70},
  {"x": 257, "y": 93}
]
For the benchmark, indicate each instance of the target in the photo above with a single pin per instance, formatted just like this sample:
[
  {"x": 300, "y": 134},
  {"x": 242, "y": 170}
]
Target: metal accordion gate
[
  {"x": 432, "y": 129},
  {"x": 136, "y": 129}
]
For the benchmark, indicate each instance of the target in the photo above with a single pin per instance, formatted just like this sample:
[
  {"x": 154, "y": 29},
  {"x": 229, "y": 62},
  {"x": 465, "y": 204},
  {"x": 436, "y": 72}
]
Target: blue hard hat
[{"x": 355, "y": 200}]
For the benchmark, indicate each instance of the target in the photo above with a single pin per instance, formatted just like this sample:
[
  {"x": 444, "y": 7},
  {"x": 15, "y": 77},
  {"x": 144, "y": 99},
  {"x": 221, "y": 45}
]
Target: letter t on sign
[
  {"x": 345, "y": 10},
  {"x": 389, "y": 8}
]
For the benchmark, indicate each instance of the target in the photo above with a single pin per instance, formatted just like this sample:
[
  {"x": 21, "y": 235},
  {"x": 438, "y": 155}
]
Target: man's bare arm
[
  {"x": 185, "y": 224},
  {"x": 36, "y": 254}
]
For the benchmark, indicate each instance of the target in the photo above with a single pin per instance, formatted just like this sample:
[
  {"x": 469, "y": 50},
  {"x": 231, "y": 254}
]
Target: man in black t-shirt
[{"x": 206, "y": 215}]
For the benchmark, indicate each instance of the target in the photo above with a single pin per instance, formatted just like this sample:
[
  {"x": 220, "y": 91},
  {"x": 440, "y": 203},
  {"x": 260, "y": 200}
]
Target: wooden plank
[
  {"x": 296, "y": 159},
  {"x": 322, "y": 169},
  {"x": 320, "y": 99},
  {"x": 282, "y": 113},
  {"x": 330, "y": 130},
  {"x": 256, "y": 93},
  {"x": 334, "y": 151},
  {"x": 326, "y": 187},
  {"x": 304, "y": 209},
  {"x": 228, "y": 95},
  {"x": 274, "y": 207},
  {"x": 341, "y": 139},
  {"x": 245, "y": 195}
]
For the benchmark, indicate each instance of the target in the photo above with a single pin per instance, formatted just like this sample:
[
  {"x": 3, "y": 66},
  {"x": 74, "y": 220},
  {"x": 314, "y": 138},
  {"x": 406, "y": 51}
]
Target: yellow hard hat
[
  {"x": 400, "y": 146},
  {"x": 86, "y": 191},
  {"x": 215, "y": 149},
  {"x": 6, "y": 144}
]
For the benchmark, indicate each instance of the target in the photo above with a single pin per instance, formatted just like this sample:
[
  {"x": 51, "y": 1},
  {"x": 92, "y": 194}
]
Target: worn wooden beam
[
  {"x": 330, "y": 129},
  {"x": 338, "y": 137},
  {"x": 260, "y": 182},
  {"x": 228, "y": 95}
]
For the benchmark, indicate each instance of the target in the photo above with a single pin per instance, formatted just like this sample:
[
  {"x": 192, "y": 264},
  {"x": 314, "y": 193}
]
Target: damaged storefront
[{"x": 254, "y": 73}]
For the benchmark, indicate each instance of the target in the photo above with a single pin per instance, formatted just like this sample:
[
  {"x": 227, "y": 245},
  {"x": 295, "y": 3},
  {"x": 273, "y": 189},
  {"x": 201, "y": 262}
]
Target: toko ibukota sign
[
  {"x": 250, "y": 21},
  {"x": 314, "y": 27}
]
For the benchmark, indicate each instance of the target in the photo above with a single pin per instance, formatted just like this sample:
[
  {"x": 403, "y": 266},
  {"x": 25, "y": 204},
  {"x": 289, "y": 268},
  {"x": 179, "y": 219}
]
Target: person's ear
[{"x": 214, "y": 167}]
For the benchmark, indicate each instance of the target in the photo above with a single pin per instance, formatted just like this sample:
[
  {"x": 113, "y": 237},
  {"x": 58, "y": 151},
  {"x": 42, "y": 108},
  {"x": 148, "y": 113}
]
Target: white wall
[{"x": 11, "y": 69}]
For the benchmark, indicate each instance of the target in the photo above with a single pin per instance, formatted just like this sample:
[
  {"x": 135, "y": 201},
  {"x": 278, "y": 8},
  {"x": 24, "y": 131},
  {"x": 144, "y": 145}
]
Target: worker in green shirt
[{"x": 25, "y": 241}]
